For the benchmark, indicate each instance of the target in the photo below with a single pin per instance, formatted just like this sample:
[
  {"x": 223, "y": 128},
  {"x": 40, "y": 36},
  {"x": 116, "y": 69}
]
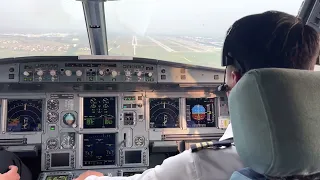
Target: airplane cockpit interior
[{"x": 115, "y": 86}]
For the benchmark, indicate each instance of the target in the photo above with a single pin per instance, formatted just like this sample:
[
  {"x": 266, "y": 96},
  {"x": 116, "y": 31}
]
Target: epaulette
[{"x": 211, "y": 144}]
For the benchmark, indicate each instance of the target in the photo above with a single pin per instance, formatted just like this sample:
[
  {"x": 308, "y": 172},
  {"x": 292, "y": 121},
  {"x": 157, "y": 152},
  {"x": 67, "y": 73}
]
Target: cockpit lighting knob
[
  {"x": 68, "y": 73},
  {"x": 40, "y": 73},
  {"x": 139, "y": 73},
  {"x": 114, "y": 73},
  {"x": 79, "y": 73},
  {"x": 101, "y": 72},
  {"x": 127, "y": 73},
  {"x": 53, "y": 72},
  {"x": 150, "y": 74},
  {"x": 26, "y": 73}
]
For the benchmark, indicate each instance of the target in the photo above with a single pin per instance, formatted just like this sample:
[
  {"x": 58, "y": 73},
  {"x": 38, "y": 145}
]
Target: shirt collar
[{"x": 227, "y": 134}]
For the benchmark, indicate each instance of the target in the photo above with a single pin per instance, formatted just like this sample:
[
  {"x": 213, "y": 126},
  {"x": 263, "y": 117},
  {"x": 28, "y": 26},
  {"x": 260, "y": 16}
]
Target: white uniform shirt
[{"x": 206, "y": 164}]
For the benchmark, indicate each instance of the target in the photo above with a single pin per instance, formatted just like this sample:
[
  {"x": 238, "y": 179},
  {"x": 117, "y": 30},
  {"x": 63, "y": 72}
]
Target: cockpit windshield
[{"x": 185, "y": 31}]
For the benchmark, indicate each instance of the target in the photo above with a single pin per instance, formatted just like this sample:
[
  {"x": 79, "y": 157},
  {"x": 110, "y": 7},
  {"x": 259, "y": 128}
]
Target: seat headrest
[{"x": 275, "y": 115}]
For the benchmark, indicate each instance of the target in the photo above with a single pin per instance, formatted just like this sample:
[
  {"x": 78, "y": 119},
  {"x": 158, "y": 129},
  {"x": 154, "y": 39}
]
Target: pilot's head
[{"x": 271, "y": 39}]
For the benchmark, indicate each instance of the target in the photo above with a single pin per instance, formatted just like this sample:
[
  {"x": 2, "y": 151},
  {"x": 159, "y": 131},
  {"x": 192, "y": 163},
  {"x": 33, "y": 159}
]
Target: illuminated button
[
  {"x": 40, "y": 73},
  {"x": 79, "y": 73},
  {"x": 26, "y": 73},
  {"x": 52, "y": 128},
  {"x": 68, "y": 73},
  {"x": 53, "y": 72}
]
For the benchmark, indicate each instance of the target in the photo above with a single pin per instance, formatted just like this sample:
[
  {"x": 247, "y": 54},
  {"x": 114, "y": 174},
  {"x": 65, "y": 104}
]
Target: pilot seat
[{"x": 275, "y": 116}]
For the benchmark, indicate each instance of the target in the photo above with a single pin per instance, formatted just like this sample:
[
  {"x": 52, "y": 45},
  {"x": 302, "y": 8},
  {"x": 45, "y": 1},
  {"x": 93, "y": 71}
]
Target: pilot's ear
[{"x": 235, "y": 75}]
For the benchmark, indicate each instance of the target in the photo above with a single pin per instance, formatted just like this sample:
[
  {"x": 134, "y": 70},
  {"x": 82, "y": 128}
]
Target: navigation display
[
  {"x": 164, "y": 113},
  {"x": 24, "y": 115},
  {"x": 99, "y": 149},
  {"x": 99, "y": 112},
  {"x": 57, "y": 177},
  {"x": 200, "y": 112}
]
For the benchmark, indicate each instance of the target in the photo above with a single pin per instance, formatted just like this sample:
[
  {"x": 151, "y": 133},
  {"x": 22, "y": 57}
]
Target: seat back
[{"x": 275, "y": 116}]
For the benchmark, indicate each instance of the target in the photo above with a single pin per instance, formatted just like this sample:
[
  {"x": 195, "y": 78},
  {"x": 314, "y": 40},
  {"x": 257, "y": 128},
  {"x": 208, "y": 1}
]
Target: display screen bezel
[
  {"x": 80, "y": 154},
  {"x": 98, "y": 130},
  {"x": 4, "y": 114},
  {"x": 128, "y": 150},
  {"x": 213, "y": 117},
  {"x": 71, "y": 153}
]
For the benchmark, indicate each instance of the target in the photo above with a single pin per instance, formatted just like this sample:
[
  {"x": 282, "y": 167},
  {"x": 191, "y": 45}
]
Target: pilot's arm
[{"x": 181, "y": 166}]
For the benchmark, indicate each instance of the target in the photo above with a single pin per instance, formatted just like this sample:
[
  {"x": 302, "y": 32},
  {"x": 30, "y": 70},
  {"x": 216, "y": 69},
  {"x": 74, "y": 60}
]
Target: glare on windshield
[{"x": 185, "y": 31}]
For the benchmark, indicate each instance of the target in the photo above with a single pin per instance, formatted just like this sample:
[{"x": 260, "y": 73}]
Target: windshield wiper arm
[{"x": 96, "y": 26}]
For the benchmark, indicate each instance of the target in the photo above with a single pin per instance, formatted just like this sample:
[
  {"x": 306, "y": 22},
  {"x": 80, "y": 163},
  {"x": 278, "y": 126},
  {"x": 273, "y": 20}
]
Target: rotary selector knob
[
  {"x": 40, "y": 73},
  {"x": 79, "y": 73},
  {"x": 26, "y": 73},
  {"x": 114, "y": 73},
  {"x": 150, "y": 74},
  {"x": 53, "y": 72},
  {"x": 101, "y": 72},
  {"x": 139, "y": 73},
  {"x": 68, "y": 73},
  {"x": 127, "y": 73}
]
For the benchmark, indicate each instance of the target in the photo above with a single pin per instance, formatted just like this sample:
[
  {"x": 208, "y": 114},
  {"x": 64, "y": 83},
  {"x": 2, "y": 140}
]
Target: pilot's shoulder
[{"x": 214, "y": 145}]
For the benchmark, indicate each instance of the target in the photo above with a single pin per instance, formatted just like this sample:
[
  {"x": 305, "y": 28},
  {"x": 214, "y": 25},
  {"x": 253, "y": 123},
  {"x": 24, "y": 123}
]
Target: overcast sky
[{"x": 194, "y": 17}]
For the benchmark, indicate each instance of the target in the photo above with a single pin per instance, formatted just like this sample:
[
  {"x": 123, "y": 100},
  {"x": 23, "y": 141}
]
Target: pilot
[
  {"x": 271, "y": 39},
  {"x": 12, "y": 168}
]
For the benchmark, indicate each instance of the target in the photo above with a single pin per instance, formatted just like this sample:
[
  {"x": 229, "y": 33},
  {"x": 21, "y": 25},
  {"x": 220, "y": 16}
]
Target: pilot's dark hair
[{"x": 270, "y": 39}]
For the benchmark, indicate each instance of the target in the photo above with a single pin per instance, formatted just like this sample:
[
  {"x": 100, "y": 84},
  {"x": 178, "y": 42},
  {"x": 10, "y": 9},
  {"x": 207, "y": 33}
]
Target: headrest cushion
[{"x": 275, "y": 115}]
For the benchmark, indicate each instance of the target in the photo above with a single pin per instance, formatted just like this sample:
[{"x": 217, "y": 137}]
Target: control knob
[
  {"x": 127, "y": 73},
  {"x": 68, "y": 73},
  {"x": 139, "y": 73},
  {"x": 101, "y": 72},
  {"x": 149, "y": 74},
  {"x": 53, "y": 72},
  {"x": 114, "y": 73},
  {"x": 26, "y": 73},
  {"x": 40, "y": 73},
  {"x": 79, "y": 73}
]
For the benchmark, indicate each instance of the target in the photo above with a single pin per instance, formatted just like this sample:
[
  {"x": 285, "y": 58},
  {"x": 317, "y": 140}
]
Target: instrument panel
[
  {"x": 104, "y": 114},
  {"x": 94, "y": 69},
  {"x": 104, "y": 130}
]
